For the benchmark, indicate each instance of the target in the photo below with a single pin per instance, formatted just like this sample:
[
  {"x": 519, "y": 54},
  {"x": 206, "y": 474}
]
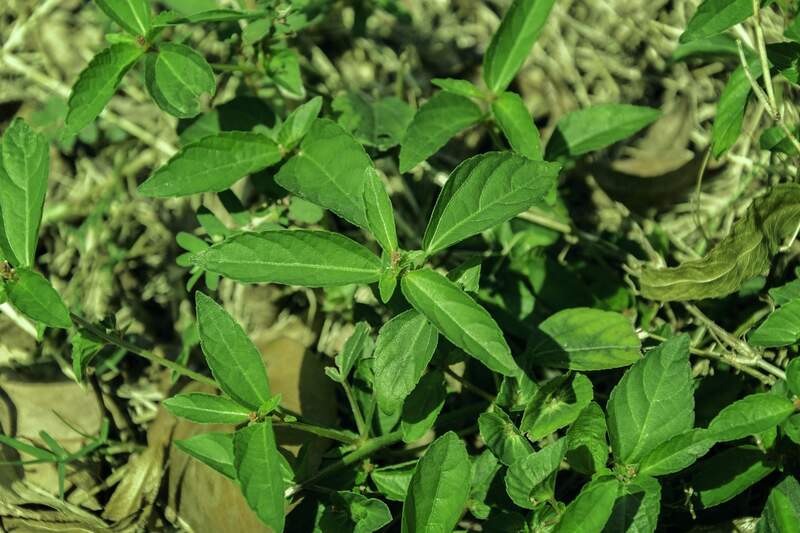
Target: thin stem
[
  {"x": 245, "y": 69},
  {"x": 762, "y": 54},
  {"x": 359, "y": 418},
  {"x": 468, "y": 385},
  {"x": 329, "y": 433}
]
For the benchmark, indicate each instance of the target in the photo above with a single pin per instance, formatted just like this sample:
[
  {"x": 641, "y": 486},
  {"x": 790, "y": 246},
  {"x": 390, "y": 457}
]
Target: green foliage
[
  {"x": 176, "y": 77},
  {"x": 214, "y": 449},
  {"x": 31, "y": 293},
  {"x": 517, "y": 125},
  {"x": 258, "y": 469},
  {"x": 207, "y": 409},
  {"x": 132, "y": 15},
  {"x": 715, "y": 16}
]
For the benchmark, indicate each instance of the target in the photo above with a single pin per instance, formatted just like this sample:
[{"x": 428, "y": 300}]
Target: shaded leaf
[
  {"x": 729, "y": 473},
  {"x": 587, "y": 448},
  {"x": 283, "y": 67},
  {"x": 557, "y": 404},
  {"x": 392, "y": 481},
  {"x": 502, "y": 437},
  {"x": 782, "y": 511},
  {"x": 214, "y": 449},
  {"x": 354, "y": 513},
  {"x": 380, "y": 123},
  {"x": 422, "y": 407},
  {"x": 781, "y": 328},
  {"x": 636, "y": 508},
  {"x": 531, "y": 479},
  {"x": 750, "y": 415},
  {"x": 591, "y": 509}
]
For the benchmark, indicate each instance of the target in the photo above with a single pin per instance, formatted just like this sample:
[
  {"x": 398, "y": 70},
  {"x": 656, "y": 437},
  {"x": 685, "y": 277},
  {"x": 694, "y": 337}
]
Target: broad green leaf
[
  {"x": 329, "y": 170},
  {"x": 24, "y": 167},
  {"x": 677, "y": 453},
  {"x": 782, "y": 511},
  {"x": 379, "y": 123},
  {"x": 484, "y": 471},
  {"x": 793, "y": 376},
  {"x": 590, "y": 510},
  {"x": 403, "y": 350},
  {"x": 596, "y": 127},
  {"x": 465, "y": 323},
  {"x": 353, "y": 350},
  {"x": 750, "y": 415},
  {"x": 502, "y": 437},
  {"x": 132, "y": 15},
  {"x": 636, "y": 508},
  {"x": 298, "y": 123},
  {"x": 436, "y": 122},
  {"x": 513, "y": 40},
  {"x": 484, "y": 191},
  {"x": 214, "y": 449},
  {"x": 731, "y": 107},
  {"x": 351, "y": 512},
  {"x": 176, "y": 78},
  {"x": 581, "y": 338},
  {"x": 310, "y": 258},
  {"x": 557, "y": 404},
  {"x": 387, "y": 284},
  {"x": 781, "y": 328},
  {"x": 378, "y": 209},
  {"x": 284, "y": 68},
  {"x": 438, "y": 491},
  {"x": 517, "y": 125},
  {"x": 259, "y": 470},
  {"x": 212, "y": 164},
  {"x": 392, "y": 481},
  {"x": 207, "y": 409},
  {"x": 716, "y": 16},
  {"x": 653, "y": 402},
  {"x": 531, "y": 479},
  {"x": 745, "y": 252},
  {"x": 32, "y": 294},
  {"x": 232, "y": 357},
  {"x": 459, "y": 87},
  {"x": 97, "y": 83},
  {"x": 785, "y": 293},
  {"x": 729, "y": 473},
  {"x": 587, "y": 448},
  {"x": 422, "y": 407}
]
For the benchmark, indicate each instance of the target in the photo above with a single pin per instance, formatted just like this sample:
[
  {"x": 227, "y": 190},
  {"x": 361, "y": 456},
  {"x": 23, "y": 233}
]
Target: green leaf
[
  {"x": 403, "y": 350},
  {"x": 353, "y": 350},
  {"x": 97, "y": 83},
  {"x": 591, "y": 509},
  {"x": 38, "y": 453},
  {"x": 207, "y": 409},
  {"x": 511, "y": 44},
  {"x": 677, "y": 453},
  {"x": 310, "y": 258},
  {"x": 283, "y": 67},
  {"x": 232, "y": 357},
  {"x": 484, "y": 191},
  {"x": 298, "y": 123},
  {"x": 557, "y": 404},
  {"x": 587, "y": 448},
  {"x": 750, "y": 415},
  {"x": 24, "y": 167},
  {"x": 531, "y": 479},
  {"x": 793, "y": 376},
  {"x": 636, "y": 508},
  {"x": 653, "y": 402},
  {"x": 176, "y": 77},
  {"x": 259, "y": 471},
  {"x": 581, "y": 338},
  {"x": 716, "y": 45},
  {"x": 502, "y": 437},
  {"x": 378, "y": 208},
  {"x": 439, "y": 489},
  {"x": 422, "y": 407},
  {"x": 517, "y": 125},
  {"x": 781, "y": 328},
  {"x": 746, "y": 252},
  {"x": 330, "y": 170},
  {"x": 214, "y": 449},
  {"x": 729, "y": 473},
  {"x": 436, "y": 122},
  {"x": 782, "y": 511},
  {"x": 212, "y": 164},
  {"x": 351, "y": 512},
  {"x": 462, "y": 321},
  {"x": 731, "y": 107},
  {"x": 33, "y": 295},
  {"x": 132, "y": 15},
  {"x": 459, "y": 87},
  {"x": 205, "y": 14},
  {"x": 380, "y": 123},
  {"x": 716, "y": 16},
  {"x": 596, "y": 127},
  {"x": 392, "y": 481}
]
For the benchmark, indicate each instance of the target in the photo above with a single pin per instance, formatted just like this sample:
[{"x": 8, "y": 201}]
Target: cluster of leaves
[{"x": 567, "y": 441}]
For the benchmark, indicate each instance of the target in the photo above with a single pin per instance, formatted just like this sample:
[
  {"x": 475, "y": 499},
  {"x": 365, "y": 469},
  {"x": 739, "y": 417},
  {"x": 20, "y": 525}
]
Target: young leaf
[
  {"x": 33, "y": 295},
  {"x": 283, "y": 67},
  {"x": 484, "y": 471},
  {"x": 378, "y": 209},
  {"x": 34, "y": 451},
  {"x": 636, "y": 508},
  {"x": 132, "y": 15},
  {"x": 24, "y": 167},
  {"x": 232, "y": 357},
  {"x": 438, "y": 490},
  {"x": 258, "y": 465},
  {"x": 97, "y": 83},
  {"x": 781, "y": 328},
  {"x": 459, "y": 87},
  {"x": 214, "y": 449},
  {"x": 530, "y": 480},
  {"x": 716, "y": 16},
  {"x": 422, "y": 407},
  {"x": 782, "y": 511},
  {"x": 436, "y": 122},
  {"x": 404, "y": 348},
  {"x": 731, "y": 107},
  {"x": 653, "y": 401},
  {"x": 557, "y": 404},
  {"x": 591, "y": 509},
  {"x": 517, "y": 125},
  {"x": 750, "y": 415},
  {"x": 300, "y": 257},
  {"x": 207, "y": 409},
  {"x": 380, "y": 123},
  {"x": 677, "y": 453},
  {"x": 212, "y": 164},
  {"x": 354, "y": 513},
  {"x": 330, "y": 171},
  {"x": 729, "y": 473},
  {"x": 465, "y": 323},
  {"x": 744, "y": 253},
  {"x": 502, "y": 437},
  {"x": 484, "y": 191},
  {"x": 581, "y": 338},
  {"x": 176, "y": 77},
  {"x": 587, "y": 448},
  {"x": 298, "y": 123},
  {"x": 353, "y": 350},
  {"x": 511, "y": 44}
]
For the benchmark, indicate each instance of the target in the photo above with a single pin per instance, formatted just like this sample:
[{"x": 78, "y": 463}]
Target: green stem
[
  {"x": 245, "y": 69},
  {"x": 359, "y": 418},
  {"x": 328, "y": 433}
]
